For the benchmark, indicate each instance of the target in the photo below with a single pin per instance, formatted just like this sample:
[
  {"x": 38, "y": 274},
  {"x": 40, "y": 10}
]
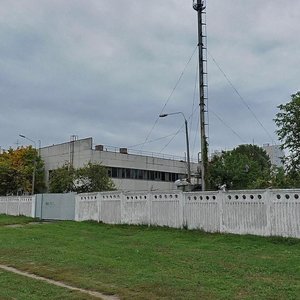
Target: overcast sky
[{"x": 105, "y": 69}]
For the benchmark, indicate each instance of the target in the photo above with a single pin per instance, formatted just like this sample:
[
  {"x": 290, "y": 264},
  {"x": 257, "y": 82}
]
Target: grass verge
[
  {"x": 11, "y": 220},
  {"x": 138, "y": 262},
  {"x": 14, "y": 286}
]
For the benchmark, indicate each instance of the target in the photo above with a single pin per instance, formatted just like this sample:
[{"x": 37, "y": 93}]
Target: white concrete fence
[
  {"x": 258, "y": 212},
  {"x": 18, "y": 205}
]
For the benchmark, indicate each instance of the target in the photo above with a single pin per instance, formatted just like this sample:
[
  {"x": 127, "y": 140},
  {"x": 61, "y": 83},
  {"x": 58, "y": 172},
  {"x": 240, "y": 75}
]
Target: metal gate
[{"x": 55, "y": 206}]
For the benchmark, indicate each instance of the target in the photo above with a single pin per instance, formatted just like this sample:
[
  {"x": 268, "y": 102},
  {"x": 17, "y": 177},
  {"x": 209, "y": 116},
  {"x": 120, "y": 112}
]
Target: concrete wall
[
  {"x": 18, "y": 205},
  {"x": 258, "y": 212},
  {"x": 42, "y": 206}
]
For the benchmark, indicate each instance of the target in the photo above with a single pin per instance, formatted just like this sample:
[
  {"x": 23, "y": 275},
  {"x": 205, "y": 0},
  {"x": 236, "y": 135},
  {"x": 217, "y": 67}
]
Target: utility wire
[
  {"x": 222, "y": 121},
  {"x": 171, "y": 94},
  {"x": 240, "y": 96},
  {"x": 217, "y": 116},
  {"x": 194, "y": 97},
  {"x": 152, "y": 141},
  {"x": 174, "y": 135}
]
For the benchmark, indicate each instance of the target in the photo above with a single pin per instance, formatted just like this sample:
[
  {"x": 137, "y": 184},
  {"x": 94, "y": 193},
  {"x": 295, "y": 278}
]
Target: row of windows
[
  {"x": 140, "y": 174},
  {"x": 143, "y": 174}
]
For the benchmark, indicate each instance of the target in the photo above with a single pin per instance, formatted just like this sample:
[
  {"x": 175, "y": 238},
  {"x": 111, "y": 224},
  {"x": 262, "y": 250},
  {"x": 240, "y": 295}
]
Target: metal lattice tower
[{"x": 200, "y": 6}]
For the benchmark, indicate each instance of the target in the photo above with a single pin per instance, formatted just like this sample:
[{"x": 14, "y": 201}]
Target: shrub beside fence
[{"x": 259, "y": 212}]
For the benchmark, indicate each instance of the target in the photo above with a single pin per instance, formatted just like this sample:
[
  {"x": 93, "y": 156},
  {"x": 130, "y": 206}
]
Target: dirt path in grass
[{"x": 59, "y": 283}]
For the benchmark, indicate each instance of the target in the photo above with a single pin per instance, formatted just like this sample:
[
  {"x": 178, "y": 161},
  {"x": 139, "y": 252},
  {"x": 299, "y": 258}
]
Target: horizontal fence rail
[{"x": 258, "y": 212}]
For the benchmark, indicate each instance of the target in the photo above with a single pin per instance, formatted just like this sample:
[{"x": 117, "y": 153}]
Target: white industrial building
[
  {"x": 275, "y": 153},
  {"x": 129, "y": 172}
]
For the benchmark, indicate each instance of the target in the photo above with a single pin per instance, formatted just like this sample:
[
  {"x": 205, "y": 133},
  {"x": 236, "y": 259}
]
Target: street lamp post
[
  {"x": 34, "y": 162},
  {"x": 26, "y": 138},
  {"x": 187, "y": 141}
]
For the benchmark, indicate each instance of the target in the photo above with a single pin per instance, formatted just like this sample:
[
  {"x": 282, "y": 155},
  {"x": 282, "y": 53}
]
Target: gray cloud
[{"x": 106, "y": 68}]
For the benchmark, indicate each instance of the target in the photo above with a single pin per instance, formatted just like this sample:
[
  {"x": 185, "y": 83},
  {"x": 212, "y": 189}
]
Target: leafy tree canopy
[
  {"x": 16, "y": 171},
  {"x": 245, "y": 167},
  {"x": 92, "y": 177},
  {"x": 62, "y": 180},
  {"x": 288, "y": 122}
]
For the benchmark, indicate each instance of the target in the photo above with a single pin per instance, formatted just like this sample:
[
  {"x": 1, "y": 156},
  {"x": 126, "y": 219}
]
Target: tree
[
  {"x": 245, "y": 167},
  {"x": 92, "y": 177},
  {"x": 16, "y": 171},
  {"x": 62, "y": 180},
  {"x": 280, "y": 179},
  {"x": 288, "y": 122}
]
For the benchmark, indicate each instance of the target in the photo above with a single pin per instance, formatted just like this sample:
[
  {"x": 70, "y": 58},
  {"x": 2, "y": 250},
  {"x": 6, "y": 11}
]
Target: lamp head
[{"x": 163, "y": 115}]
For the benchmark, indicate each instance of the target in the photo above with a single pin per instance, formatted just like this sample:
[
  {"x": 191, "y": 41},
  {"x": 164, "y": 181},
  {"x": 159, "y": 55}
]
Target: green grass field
[{"x": 145, "y": 263}]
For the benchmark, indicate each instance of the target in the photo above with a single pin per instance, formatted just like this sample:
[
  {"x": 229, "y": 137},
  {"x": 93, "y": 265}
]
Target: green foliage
[
  {"x": 62, "y": 180},
  {"x": 288, "y": 122},
  {"x": 16, "y": 171},
  {"x": 282, "y": 180},
  {"x": 91, "y": 178},
  {"x": 245, "y": 167}
]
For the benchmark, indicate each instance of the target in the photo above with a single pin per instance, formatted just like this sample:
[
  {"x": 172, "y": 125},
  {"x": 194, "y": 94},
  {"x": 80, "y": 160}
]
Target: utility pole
[{"x": 199, "y": 6}]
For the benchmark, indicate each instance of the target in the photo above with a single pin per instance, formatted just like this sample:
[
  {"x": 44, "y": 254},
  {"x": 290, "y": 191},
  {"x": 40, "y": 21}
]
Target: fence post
[
  {"x": 19, "y": 203},
  {"x": 33, "y": 206},
  {"x": 6, "y": 209},
  {"x": 269, "y": 211},
  {"x": 181, "y": 209},
  {"x": 100, "y": 206},
  {"x": 122, "y": 204},
  {"x": 221, "y": 203},
  {"x": 149, "y": 205},
  {"x": 99, "y": 202}
]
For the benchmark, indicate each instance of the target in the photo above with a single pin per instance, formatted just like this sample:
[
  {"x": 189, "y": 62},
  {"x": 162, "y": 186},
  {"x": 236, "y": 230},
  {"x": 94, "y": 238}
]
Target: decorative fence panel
[
  {"x": 18, "y": 205},
  {"x": 136, "y": 208},
  {"x": 3, "y": 205},
  {"x": 86, "y": 207},
  {"x": 166, "y": 209},
  {"x": 245, "y": 213},
  {"x": 202, "y": 211},
  {"x": 13, "y": 206},
  {"x": 110, "y": 208},
  {"x": 258, "y": 212},
  {"x": 285, "y": 213},
  {"x": 25, "y": 206}
]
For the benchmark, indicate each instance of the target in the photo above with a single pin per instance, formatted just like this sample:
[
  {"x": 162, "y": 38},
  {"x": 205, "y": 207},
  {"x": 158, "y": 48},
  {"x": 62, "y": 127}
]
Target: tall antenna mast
[{"x": 199, "y": 6}]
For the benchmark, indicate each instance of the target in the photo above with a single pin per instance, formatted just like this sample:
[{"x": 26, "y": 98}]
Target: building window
[
  {"x": 143, "y": 174},
  {"x": 114, "y": 173}
]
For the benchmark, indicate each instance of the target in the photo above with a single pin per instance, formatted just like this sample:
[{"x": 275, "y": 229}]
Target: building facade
[
  {"x": 129, "y": 172},
  {"x": 275, "y": 153}
]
